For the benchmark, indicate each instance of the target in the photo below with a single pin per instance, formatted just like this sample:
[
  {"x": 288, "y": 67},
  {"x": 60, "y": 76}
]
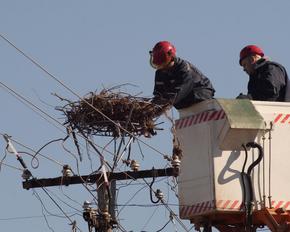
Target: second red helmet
[
  {"x": 250, "y": 50},
  {"x": 162, "y": 54}
]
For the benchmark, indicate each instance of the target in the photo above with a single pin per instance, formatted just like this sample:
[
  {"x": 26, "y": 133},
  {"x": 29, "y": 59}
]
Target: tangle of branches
[{"x": 105, "y": 113}]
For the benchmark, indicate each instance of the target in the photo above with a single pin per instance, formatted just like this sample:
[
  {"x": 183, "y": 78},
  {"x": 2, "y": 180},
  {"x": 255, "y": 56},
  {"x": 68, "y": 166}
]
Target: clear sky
[{"x": 89, "y": 45}]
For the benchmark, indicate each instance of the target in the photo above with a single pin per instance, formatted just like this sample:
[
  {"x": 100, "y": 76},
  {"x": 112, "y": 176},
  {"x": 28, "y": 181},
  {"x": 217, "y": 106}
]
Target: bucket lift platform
[{"x": 222, "y": 182}]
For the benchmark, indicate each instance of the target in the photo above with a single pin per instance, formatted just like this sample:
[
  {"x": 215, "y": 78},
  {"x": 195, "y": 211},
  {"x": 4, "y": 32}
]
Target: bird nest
[{"x": 113, "y": 114}]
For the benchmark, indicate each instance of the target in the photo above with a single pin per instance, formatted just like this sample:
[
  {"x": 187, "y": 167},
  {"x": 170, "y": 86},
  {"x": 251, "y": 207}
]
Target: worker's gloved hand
[
  {"x": 243, "y": 96},
  {"x": 159, "y": 100},
  {"x": 163, "y": 104}
]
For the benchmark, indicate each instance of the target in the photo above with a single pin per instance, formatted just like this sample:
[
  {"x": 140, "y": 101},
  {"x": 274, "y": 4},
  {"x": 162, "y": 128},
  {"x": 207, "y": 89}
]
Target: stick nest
[{"x": 113, "y": 114}]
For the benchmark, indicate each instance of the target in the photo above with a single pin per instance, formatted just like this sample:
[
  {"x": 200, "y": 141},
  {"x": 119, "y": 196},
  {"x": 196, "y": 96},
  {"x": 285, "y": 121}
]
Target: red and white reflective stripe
[
  {"x": 189, "y": 211},
  {"x": 206, "y": 206},
  {"x": 228, "y": 204},
  {"x": 282, "y": 118},
  {"x": 203, "y": 207},
  {"x": 205, "y": 116},
  {"x": 280, "y": 204}
]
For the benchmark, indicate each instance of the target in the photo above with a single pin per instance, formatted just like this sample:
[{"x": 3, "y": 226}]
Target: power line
[
  {"x": 76, "y": 94},
  {"x": 28, "y": 102},
  {"x": 10, "y": 166},
  {"x": 32, "y": 150},
  {"x": 84, "y": 100},
  {"x": 30, "y": 105},
  {"x": 35, "y": 216}
]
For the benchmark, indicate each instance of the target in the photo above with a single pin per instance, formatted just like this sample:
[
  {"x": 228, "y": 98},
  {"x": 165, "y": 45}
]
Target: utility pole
[{"x": 102, "y": 219}]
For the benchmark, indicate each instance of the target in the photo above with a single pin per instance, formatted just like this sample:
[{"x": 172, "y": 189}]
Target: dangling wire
[
  {"x": 264, "y": 186},
  {"x": 52, "y": 141},
  {"x": 270, "y": 163},
  {"x": 163, "y": 227},
  {"x": 74, "y": 226},
  {"x": 4, "y": 157},
  {"x": 150, "y": 189},
  {"x": 159, "y": 195},
  {"x": 243, "y": 174}
]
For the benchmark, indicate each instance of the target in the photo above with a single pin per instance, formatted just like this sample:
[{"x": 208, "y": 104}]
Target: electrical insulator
[
  {"x": 67, "y": 171},
  {"x": 159, "y": 194},
  {"x": 87, "y": 205},
  {"x": 134, "y": 166},
  {"x": 175, "y": 162},
  {"x": 106, "y": 216},
  {"x": 26, "y": 174}
]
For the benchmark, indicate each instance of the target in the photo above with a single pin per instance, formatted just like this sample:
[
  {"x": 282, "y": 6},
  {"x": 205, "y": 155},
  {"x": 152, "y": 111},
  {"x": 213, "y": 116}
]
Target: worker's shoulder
[
  {"x": 264, "y": 64},
  {"x": 183, "y": 65}
]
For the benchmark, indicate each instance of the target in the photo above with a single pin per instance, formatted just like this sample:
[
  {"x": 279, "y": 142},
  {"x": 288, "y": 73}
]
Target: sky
[{"x": 91, "y": 45}]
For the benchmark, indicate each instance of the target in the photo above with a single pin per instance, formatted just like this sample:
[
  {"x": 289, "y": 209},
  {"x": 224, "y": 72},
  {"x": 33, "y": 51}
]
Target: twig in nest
[{"x": 113, "y": 114}]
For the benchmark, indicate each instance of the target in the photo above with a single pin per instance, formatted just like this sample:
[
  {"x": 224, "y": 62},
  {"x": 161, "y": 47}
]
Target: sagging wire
[
  {"x": 149, "y": 219},
  {"x": 174, "y": 186},
  {"x": 170, "y": 220},
  {"x": 42, "y": 210},
  {"x": 168, "y": 208},
  {"x": 144, "y": 186},
  {"x": 89, "y": 155},
  {"x": 30, "y": 149},
  {"x": 32, "y": 106},
  {"x": 134, "y": 195},
  {"x": 35, "y": 159},
  {"x": 119, "y": 157},
  {"x": 31, "y": 217},
  {"x": 73, "y": 155},
  {"x": 64, "y": 213},
  {"x": 105, "y": 148},
  {"x": 9, "y": 166},
  {"x": 163, "y": 203},
  {"x": 175, "y": 216},
  {"x": 55, "y": 195},
  {"x": 52, "y": 141},
  {"x": 85, "y": 183},
  {"x": 26, "y": 173},
  {"x": 158, "y": 194},
  {"x": 141, "y": 152},
  {"x": 2, "y": 160}
]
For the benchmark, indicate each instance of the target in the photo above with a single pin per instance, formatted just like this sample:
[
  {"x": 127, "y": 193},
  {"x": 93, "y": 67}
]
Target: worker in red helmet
[
  {"x": 267, "y": 79},
  {"x": 177, "y": 81}
]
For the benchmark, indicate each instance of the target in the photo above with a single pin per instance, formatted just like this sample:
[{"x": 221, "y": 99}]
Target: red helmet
[
  {"x": 162, "y": 54},
  {"x": 250, "y": 50}
]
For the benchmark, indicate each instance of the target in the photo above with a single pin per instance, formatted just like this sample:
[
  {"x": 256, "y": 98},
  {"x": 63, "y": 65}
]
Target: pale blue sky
[{"x": 91, "y": 44}]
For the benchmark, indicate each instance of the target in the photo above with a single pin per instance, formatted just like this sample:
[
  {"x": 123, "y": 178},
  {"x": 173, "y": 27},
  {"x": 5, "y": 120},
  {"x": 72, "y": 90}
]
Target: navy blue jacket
[
  {"x": 268, "y": 83},
  {"x": 182, "y": 84}
]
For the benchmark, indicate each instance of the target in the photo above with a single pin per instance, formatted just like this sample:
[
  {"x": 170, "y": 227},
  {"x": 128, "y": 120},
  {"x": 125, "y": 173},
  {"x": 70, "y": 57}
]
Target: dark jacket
[
  {"x": 268, "y": 83},
  {"x": 182, "y": 84}
]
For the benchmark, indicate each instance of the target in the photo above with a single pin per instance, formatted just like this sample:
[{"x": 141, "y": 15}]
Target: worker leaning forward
[
  {"x": 176, "y": 80},
  {"x": 267, "y": 79}
]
